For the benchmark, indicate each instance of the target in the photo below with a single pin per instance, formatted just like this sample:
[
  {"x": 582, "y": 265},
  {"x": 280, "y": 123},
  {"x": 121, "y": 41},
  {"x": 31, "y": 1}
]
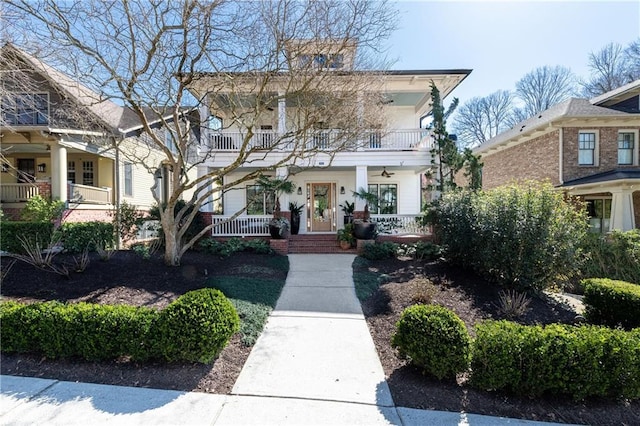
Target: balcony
[{"x": 392, "y": 140}]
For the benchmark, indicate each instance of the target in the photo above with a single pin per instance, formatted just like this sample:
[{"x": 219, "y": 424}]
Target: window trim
[
  {"x": 128, "y": 188},
  {"x": 12, "y": 97},
  {"x": 634, "y": 150},
  {"x": 596, "y": 148}
]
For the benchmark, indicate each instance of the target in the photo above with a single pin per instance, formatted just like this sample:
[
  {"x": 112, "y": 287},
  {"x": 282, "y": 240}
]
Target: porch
[{"x": 81, "y": 194}]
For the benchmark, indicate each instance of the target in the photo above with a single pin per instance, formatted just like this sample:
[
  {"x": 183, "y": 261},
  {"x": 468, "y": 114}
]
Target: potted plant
[
  {"x": 364, "y": 229},
  {"x": 348, "y": 209},
  {"x": 279, "y": 225},
  {"x": 296, "y": 210},
  {"x": 345, "y": 237}
]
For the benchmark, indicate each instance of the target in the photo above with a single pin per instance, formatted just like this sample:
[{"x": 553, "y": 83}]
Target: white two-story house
[{"x": 389, "y": 158}]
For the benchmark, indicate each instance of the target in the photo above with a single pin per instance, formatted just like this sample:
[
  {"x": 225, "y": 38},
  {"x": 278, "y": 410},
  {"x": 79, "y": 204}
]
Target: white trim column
[
  {"x": 622, "y": 217},
  {"x": 282, "y": 114},
  {"x": 58, "y": 172},
  {"x": 362, "y": 181}
]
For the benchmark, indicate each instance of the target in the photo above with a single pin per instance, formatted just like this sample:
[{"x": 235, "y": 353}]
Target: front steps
[{"x": 316, "y": 243}]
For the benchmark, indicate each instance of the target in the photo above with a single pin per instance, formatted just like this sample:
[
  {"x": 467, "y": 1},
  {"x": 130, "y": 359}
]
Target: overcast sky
[{"x": 503, "y": 40}]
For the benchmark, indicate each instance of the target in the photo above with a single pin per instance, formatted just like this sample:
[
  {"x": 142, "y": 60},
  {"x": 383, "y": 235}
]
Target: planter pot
[
  {"x": 345, "y": 245},
  {"x": 275, "y": 232},
  {"x": 364, "y": 230},
  {"x": 348, "y": 219},
  {"x": 295, "y": 224}
]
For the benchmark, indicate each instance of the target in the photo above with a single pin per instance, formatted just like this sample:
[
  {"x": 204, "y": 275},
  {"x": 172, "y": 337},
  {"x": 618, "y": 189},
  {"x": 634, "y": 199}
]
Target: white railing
[
  {"x": 17, "y": 192},
  {"x": 391, "y": 140},
  {"x": 401, "y": 224},
  {"x": 245, "y": 226},
  {"x": 89, "y": 194}
]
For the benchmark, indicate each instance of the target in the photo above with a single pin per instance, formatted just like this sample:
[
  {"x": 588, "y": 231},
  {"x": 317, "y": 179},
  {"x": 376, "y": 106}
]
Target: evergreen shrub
[
  {"x": 33, "y": 232},
  {"x": 612, "y": 303}
]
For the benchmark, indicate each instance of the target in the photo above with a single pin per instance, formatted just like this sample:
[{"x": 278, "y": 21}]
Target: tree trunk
[{"x": 171, "y": 244}]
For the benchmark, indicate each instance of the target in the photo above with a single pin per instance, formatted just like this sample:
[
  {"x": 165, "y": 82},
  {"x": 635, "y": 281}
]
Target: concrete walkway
[{"x": 314, "y": 364}]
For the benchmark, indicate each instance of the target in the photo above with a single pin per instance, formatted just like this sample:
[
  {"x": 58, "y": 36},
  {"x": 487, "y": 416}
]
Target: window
[
  {"x": 128, "y": 179},
  {"x": 599, "y": 211},
  {"x": 387, "y": 197},
  {"x": 71, "y": 172},
  {"x": 87, "y": 173},
  {"x": 170, "y": 140},
  {"x": 587, "y": 149},
  {"x": 626, "y": 146},
  {"x": 25, "y": 109},
  {"x": 259, "y": 201}
]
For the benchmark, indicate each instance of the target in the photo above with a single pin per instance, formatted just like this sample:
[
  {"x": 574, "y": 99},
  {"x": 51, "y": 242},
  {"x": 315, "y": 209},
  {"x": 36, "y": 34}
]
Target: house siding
[
  {"x": 535, "y": 159},
  {"x": 607, "y": 152}
]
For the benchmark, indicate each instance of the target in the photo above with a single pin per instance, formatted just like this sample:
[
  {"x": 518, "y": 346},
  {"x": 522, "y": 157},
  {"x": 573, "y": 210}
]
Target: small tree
[{"x": 444, "y": 154}]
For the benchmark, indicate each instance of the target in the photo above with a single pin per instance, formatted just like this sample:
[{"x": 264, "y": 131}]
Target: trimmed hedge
[
  {"x": 195, "y": 327},
  {"x": 612, "y": 303},
  {"x": 434, "y": 338},
  {"x": 33, "y": 231},
  {"x": 557, "y": 359},
  {"x": 76, "y": 237}
]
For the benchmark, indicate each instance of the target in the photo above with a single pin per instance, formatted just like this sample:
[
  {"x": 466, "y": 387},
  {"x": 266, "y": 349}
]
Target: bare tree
[
  {"x": 544, "y": 87},
  {"x": 482, "y": 118},
  {"x": 611, "y": 67},
  {"x": 239, "y": 59}
]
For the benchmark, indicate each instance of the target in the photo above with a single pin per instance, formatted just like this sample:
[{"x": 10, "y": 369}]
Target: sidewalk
[{"x": 315, "y": 363}]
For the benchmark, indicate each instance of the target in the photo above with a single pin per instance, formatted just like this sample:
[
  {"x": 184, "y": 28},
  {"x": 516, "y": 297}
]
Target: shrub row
[
  {"x": 234, "y": 245},
  {"x": 419, "y": 250},
  {"x": 195, "y": 328},
  {"x": 615, "y": 256},
  {"x": 515, "y": 235},
  {"x": 33, "y": 232},
  {"x": 529, "y": 360},
  {"x": 76, "y": 237},
  {"x": 612, "y": 303}
]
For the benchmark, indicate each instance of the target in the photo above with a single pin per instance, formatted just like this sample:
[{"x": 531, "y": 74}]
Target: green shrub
[
  {"x": 420, "y": 250},
  {"x": 378, "y": 251},
  {"x": 127, "y": 220},
  {"x": 612, "y": 303},
  {"x": 434, "y": 339},
  {"x": 527, "y": 236},
  {"x": 76, "y": 237},
  {"x": 34, "y": 232},
  {"x": 39, "y": 209},
  {"x": 92, "y": 331},
  {"x": 615, "y": 256},
  {"x": 234, "y": 245},
  {"x": 196, "y": 326},
  {"x": 556, "y": 360}
]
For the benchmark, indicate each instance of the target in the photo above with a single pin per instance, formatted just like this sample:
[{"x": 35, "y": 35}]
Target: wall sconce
[
  {"x": 42, "y": 167},
  {"x": 5, "y": 168},
  {"x": 342, "y": 189},
  {"x": 299, "y": 190}
]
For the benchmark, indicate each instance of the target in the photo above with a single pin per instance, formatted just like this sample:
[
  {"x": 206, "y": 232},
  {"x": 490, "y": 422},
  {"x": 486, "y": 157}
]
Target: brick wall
[
  {"x": 534, "y": 159},
  {"x": 80, "y": 215},
  {"x": 608, "y": 152}
]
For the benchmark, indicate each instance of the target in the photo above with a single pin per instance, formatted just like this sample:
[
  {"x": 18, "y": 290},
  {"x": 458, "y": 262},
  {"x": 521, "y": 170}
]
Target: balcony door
[{"x": 321, "y": 205}]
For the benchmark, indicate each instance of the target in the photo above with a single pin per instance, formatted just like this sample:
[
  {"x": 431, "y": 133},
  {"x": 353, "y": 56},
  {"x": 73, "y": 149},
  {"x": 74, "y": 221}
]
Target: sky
[{"x": 503, "y": 40}]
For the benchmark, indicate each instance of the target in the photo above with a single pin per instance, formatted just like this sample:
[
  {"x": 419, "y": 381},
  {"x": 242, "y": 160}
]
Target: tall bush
[
  {"x": 78, "y": 236},
  {"x": 524, "y": 235},
  {"x": 615, "y": 256}
]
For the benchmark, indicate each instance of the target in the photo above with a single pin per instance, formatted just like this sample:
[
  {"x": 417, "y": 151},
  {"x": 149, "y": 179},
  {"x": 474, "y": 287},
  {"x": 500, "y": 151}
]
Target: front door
[{"x": 322, "y": 207}]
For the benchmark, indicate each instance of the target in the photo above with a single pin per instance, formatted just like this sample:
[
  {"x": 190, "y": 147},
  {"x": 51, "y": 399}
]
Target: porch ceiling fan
[{"x": 385, "y": 173}]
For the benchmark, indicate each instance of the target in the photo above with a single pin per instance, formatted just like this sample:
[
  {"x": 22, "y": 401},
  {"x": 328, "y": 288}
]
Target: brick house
[{"x": 587, "y": 148}]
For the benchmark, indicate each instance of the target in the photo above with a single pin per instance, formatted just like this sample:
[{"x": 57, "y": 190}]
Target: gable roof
[
  {"x": 570, "y": 108},
  {"x": 618, "y": 95}
]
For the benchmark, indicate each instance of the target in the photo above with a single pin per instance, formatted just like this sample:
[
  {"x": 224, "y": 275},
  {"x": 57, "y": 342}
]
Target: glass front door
[{"x": 320, "y": 205}]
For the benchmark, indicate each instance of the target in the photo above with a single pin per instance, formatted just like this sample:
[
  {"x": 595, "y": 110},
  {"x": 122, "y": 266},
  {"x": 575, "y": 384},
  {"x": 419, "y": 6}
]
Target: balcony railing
[
  {"x": 401, "y": 224},
  {"x": 18, "y": 192},
  {"x": 89, "y": 194},
  {"x": 246, "y": 226},
  {"x": 392, "y": 140}
]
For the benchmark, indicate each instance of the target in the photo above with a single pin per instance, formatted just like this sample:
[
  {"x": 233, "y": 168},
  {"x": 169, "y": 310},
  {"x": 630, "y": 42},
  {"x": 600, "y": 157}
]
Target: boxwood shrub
[
  {"x": 32, "y": 231},
  {"x": 557, "y": 359},
  {"x": 612, "y": 303},
  {"x": 76, "y": 237},
  {"x": 434, "y": 339},
  {"x": 197, "y": 326}
]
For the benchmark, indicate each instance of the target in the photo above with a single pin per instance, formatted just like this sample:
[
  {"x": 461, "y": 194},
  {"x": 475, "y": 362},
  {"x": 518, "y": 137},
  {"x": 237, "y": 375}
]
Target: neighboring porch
[{"x": 23, "y": 192}]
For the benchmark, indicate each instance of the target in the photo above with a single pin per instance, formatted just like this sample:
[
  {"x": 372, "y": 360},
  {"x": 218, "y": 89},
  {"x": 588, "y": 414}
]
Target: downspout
[{"x": 561, "y": 156}]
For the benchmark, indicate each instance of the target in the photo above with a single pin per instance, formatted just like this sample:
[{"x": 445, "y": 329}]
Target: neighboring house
[
  {"x": 60, "y": 140},
  {"x": 390, "y": 161},
  {"x": 586, "y": 148}
]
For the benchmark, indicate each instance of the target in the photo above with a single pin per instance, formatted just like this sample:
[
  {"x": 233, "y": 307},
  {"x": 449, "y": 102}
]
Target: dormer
[{"x": 315, "y": 54}]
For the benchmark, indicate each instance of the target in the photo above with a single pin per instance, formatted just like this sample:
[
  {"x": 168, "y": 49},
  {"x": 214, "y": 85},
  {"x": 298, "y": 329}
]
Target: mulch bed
[{"x": 473, "y": 300}]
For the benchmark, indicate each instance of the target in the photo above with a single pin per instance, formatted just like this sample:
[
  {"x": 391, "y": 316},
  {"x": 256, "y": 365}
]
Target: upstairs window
[
  {"x": 626, "y": 147},
  {"x": 25, "y": 109},
  {"x": 170, "y": 140},
  {"x": 128, "y": 179},
  {"x": 587, "y": 143}
]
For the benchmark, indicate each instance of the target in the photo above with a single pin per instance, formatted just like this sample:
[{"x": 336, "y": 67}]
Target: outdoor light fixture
[
  {"x": 42, "y": 167},
  {"x": 299, "y": 190},
  {"x": 342, "y": 189}
]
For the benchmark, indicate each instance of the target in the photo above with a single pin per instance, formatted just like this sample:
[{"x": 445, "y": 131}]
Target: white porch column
[
  {"x": 282, "y": 114},
  {"x": 283, "y": 173},
  {"x": 362, "y": 181},
  {"x": 622, "y": 217},
  {"x": 207, "y": 207},
  {"x": 58, "y": 172}
]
